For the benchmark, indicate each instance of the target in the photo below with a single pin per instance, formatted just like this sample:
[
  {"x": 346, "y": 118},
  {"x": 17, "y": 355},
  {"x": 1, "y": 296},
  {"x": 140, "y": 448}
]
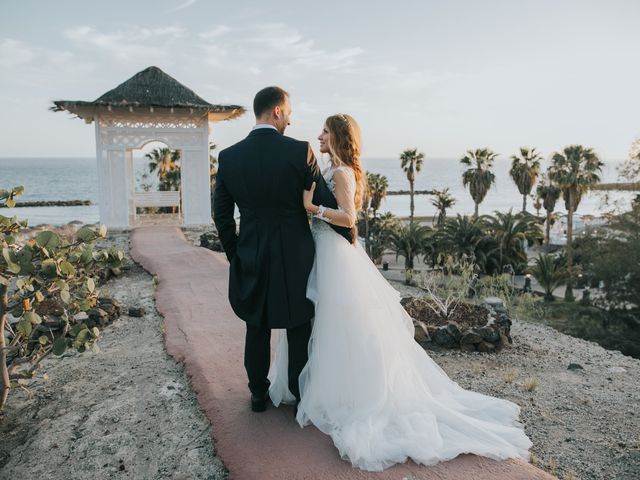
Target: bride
[{"x": 367, "y": 383}]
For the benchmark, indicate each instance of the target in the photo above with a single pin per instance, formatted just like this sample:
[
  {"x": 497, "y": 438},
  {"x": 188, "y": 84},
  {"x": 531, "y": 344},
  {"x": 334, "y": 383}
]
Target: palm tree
[
  {"x": 442, "y": 201},
  {"x": 409, "y": 241},
  {"x": 511, "y": 232},
  {"x": 479, "y": 177},
  {"x": 524, "y": 172},
  {"x": 550, "y": 274},
  {"x": 465, "y": 236},
  {"x": 167, "y": 163},
  {"x": 549, "y": 193},
  {"x": 378, "y": 185},
  {"x": 411, "y": 162},
  {"x": 574, "y": 170}
]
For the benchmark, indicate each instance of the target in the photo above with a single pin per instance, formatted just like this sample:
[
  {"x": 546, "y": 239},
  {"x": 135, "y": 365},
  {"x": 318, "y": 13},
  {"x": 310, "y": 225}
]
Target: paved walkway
[{"x": 202, "y": 331}]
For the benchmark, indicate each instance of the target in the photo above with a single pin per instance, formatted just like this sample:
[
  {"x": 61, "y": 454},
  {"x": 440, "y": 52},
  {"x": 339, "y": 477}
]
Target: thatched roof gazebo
[{"x": 151, "y": 106}]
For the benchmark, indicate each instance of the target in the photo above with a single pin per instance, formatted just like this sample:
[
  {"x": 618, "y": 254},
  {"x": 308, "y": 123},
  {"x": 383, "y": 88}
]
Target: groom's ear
[{"x": 311, "y": 161}]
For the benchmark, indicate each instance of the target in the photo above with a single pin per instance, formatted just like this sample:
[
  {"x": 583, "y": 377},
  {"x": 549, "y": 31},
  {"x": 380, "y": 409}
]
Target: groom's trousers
[{"x": 257, "y": 356}]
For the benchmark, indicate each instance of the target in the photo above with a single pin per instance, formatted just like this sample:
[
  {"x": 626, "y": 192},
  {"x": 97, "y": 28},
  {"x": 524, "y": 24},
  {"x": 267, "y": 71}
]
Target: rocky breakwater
[{"x": 465, "y": 326}]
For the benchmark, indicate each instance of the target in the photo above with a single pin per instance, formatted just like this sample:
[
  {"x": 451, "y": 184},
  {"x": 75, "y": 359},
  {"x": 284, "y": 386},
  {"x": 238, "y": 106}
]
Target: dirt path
[{"x": 202, "y": 331}]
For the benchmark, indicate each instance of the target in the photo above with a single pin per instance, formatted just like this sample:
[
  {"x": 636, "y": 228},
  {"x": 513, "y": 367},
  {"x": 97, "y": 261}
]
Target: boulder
[
  {"x": 443, "y": 338},
  {"x": 470, "y": 336},
  {"x": 489, "y": 334},
  {"x": 485, "y": 347},
  {"x": 211, "y": 241}
]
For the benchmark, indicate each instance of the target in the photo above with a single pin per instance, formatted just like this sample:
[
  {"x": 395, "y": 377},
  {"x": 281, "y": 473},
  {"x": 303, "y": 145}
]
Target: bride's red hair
[{"x": 344, "y": 147}]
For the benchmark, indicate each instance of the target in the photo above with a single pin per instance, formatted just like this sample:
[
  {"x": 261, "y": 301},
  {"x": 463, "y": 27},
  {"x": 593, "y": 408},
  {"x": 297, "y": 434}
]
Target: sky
[{"x": 441, "y": 76}]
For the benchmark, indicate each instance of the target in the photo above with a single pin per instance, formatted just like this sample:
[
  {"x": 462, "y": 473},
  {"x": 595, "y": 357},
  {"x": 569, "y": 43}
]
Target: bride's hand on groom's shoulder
[{"x": 307, "y": 199}]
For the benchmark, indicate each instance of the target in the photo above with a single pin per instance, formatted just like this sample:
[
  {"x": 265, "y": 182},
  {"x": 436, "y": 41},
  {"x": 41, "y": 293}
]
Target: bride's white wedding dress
[{"x": 369, "y": 385}]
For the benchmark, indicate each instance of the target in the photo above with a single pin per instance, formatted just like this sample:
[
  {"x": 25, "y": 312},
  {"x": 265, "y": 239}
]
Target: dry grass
[
  {"x": 531, "y": 384},
  {"x": 552, "y": 466},
  {"x": 510, "y": 374},
  {"x": 476, "y": 367},
  {"x": 533, "y": 459},
  {"x": 570, "y": 475}
]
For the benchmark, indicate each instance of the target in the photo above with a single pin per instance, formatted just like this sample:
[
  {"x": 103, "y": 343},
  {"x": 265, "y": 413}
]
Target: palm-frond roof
[{"x": 149, "y": 88}]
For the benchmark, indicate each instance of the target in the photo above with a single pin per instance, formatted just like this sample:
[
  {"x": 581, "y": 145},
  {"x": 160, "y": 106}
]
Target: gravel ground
[
  {"x": 129, "y": 412},
  {"x": 126, "y": 412},
  {"x": 584, "y": 421}
]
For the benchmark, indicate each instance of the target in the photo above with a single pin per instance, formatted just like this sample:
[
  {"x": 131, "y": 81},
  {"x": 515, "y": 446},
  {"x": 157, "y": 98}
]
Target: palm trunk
[
  {"x": 411, "y": 205},
  {"x": 524, "y": 203},
  {"x": 4, "y": 371},
  {"x": 476, "y": 211},
  {"x": 568, "y": 294},
  {"x": 548, "y": 232}
]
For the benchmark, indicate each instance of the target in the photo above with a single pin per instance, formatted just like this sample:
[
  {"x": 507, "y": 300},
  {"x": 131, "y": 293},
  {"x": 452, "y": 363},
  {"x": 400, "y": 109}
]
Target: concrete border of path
[{"x": 203, "y": 333}]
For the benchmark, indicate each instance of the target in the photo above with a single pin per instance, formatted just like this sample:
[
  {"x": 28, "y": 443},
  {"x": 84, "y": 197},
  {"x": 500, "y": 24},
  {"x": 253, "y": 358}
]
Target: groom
[{"x": 271, "y": 257}]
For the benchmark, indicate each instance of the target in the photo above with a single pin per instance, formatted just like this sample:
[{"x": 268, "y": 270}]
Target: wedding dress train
[{"x": 371, "y": 387}]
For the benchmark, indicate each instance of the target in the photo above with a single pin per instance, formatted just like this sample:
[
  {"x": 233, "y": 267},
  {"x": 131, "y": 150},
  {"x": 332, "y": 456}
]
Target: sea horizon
[{"x": 54, "y": 178}]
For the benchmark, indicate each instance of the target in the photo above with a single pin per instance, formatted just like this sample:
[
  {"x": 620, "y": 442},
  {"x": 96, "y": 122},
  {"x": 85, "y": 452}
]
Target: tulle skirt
[{"x": 371, "y": 387}]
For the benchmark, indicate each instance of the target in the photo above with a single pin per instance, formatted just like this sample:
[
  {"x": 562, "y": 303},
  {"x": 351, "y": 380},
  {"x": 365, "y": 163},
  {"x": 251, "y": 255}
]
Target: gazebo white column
[{"x": 151, "y": 106}]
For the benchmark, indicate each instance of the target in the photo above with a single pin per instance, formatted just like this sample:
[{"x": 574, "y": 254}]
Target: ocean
[{"x": 76, "y": 179}]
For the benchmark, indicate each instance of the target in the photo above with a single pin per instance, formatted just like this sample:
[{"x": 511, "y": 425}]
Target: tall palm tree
[
  {"x": 574, "y": 170},
  {"x": 411, "y": 162},
  {"x": 478, "y": 177},
  {"x": 524, "y": 172},
  {"x": 512, "y": 232},
  {"x": 442, "y": 201},
  {"x": 549, "y": 193},
  {"x": 378, "y": 185},
  {"x": 167, "y": 163}
]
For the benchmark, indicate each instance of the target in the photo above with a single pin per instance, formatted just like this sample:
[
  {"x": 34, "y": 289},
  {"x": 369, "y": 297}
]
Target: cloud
[
  {"x": 186, "y": 4},
  {"x": 132, "y": 44},
  {"x": 14, "y": 53}
]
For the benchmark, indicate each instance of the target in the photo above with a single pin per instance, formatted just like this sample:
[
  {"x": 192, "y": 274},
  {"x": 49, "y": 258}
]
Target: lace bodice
[{"x": 342, "y": 183}]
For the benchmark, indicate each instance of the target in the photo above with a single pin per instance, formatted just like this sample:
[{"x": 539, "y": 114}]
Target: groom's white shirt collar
[{"x": 263, "y": 125}]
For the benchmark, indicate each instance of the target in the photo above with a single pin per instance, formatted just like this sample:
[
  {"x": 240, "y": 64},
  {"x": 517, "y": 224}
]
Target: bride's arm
[{"x": 345, "y": 215}]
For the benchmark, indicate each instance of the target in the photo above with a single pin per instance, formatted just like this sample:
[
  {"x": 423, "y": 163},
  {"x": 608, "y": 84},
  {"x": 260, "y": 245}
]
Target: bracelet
[{"x": 321, "y": 214}]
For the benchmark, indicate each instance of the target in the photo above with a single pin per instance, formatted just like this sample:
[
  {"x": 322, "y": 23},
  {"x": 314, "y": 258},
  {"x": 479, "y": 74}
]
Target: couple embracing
[{"x": 346, "y": 355}]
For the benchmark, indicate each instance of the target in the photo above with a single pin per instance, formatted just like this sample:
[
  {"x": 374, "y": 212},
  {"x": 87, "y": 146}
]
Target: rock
[
  {"x": 97, "y": 317},
  {"x": 136, "y": 312},
  {"x": 443, "y": 338},
  {"x": 468, "y": 347},
  {"x": 110, "y": 305},
  {"x": 454, "y": 331},
  {"x": 575, "y": 366},
  {"x": 485, "y": 347},
  {"x": 489, "y": 334},
  {"x": 211, "y": 241},
  {"x": 470, "y": 336}
]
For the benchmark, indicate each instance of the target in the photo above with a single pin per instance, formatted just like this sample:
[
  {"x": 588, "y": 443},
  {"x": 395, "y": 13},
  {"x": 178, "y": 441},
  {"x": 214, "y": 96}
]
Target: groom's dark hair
[{"x": 268, "y": 98}]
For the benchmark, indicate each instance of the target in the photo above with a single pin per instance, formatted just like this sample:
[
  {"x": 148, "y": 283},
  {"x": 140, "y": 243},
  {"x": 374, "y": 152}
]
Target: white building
[{"x": 151, "y": 106}]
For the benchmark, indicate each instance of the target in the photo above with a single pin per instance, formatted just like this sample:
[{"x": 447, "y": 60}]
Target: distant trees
[
  {"x": 524, "y": 171},
  {"x": 575, "y": 169},
  {"x": 442, "y": 201},
  {"x": 478, "y": 177},
  {"x": 411, "y": 162},
  {"x": 549, "y": 193}
]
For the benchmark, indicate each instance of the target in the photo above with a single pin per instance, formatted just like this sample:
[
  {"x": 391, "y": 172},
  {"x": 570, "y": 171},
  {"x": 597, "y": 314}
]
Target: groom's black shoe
[{"x": 259, "y": 403}]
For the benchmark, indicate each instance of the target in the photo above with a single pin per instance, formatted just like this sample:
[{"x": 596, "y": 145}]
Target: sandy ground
[{"x": 128, "y": 411}]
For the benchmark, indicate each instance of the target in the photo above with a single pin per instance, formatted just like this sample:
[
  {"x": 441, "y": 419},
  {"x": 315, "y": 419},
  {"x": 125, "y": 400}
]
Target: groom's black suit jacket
[{"x": 272, "y": 255}]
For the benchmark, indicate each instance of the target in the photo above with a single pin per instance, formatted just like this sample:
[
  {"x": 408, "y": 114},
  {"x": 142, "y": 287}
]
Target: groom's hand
[{"x": 307, "y": 199}]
